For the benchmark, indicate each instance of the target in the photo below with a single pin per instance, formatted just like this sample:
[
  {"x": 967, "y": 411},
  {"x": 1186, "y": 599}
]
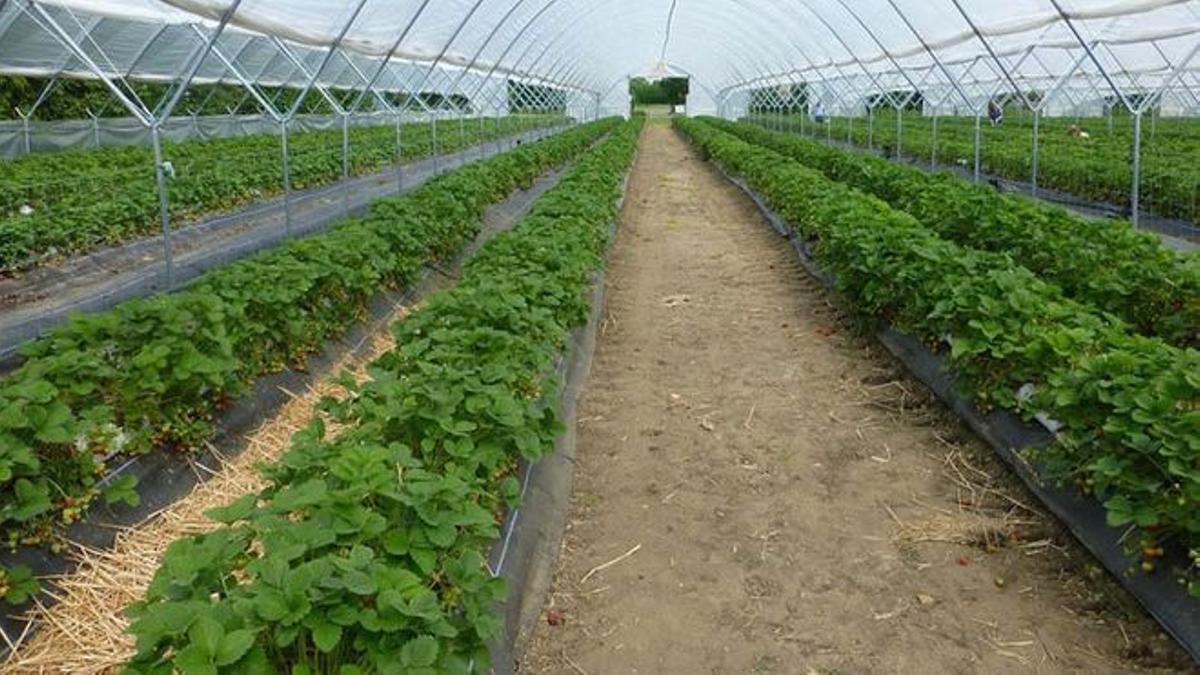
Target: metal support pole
[
  {"x": 46, "y": 21},
  {"x": 160, "y": 178},
  {"x": 482, "y": 136},
  {"x": 871, "y": 127},
  {"x": 400, "y": 148},
  {"x": 25, "y": 134},
  {"x": 899, "y": 132},
  {"x": 978, "y": 134},
  {"x": 95, "y": 128},
  {"x": 462, "y": 140},
  {"x": 933, "y": 143},
  {"x": 287, "y": 178},
  {"x": 1134, "y": 188},
  {"x": 434, "y": 142},
  {"x": 1037, "y": 116},
  {"x": 345, "y": 161}
]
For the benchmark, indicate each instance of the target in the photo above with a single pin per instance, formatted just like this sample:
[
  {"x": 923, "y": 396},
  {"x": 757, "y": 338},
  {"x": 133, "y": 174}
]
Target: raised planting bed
[
  {"x": 153, "y": 375},
  {"x": 58, "y": 205},
  {"x": 1104, "y": 263},
  {"x": 368, "y": 551}
]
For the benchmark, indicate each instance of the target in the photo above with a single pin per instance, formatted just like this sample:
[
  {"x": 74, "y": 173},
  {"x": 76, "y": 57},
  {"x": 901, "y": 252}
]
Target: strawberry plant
[
  {"x": 365, "y": 553},
  {"x": 83, "y": 200},
  {"x": 1105, "y": 263},
  {"x": 1128, "y": 403},
  {"x": 1096, "y": 168},
  {"x": 152, "y": 374}
]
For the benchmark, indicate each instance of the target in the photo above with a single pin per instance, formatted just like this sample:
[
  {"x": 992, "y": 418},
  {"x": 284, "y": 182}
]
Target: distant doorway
[{"x": 657, "y": 97}]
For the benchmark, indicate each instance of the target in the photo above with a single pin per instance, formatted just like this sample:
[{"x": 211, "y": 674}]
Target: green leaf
[
  {"x": 194, "y": 660},
  {"x": 326, "y": 636},
  {"x": 233, "y": 646},
  {"x": 206, "y": 633},
  {"x": 239, "y": 509},
  {"x": 122, "y": 490},
  {"x": 271, "y": 605},
  {"x": 21, "y": 584},
  {"x": 422, "y": 651}
]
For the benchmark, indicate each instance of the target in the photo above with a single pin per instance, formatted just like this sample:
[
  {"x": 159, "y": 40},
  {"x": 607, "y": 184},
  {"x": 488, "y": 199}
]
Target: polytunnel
[{"x": 565, "y": 336}]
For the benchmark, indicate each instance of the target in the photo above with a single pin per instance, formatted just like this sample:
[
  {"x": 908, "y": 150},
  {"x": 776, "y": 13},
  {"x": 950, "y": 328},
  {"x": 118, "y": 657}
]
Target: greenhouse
[{"x": 562, "y": 336}]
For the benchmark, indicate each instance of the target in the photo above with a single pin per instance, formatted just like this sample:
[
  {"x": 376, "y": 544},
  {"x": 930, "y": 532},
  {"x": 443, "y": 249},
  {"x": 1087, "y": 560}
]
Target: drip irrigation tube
[{"x": 1159, "y": 594}]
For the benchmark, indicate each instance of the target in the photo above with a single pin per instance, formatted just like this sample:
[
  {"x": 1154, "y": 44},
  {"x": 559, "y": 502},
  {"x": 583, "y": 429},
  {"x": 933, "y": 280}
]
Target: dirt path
[{"x": 788, "y": 500}]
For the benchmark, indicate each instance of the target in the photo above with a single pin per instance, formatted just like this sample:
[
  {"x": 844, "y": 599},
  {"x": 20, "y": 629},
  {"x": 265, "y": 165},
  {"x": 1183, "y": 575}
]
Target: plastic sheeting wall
[{"x": 18, "y": 138}]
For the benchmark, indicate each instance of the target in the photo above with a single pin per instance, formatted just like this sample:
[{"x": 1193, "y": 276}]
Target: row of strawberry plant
[
  {"x": 366, "y": 553},
  {"x": 1097, "y": 168},
  {"x": 1128, "y": 403},
  {"x": 1105, "y": 263},
  {"x": 152, "y": 374},
  {"x": 63, "y": 204}
]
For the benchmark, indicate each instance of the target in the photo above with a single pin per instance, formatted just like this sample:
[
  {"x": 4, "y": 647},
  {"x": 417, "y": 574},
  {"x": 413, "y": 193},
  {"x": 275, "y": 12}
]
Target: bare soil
[{"x": 759, "y": 489}]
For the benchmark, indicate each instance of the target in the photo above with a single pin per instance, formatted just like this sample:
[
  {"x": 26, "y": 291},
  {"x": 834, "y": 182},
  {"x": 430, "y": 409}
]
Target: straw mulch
[{"x": 83, "y": 631}]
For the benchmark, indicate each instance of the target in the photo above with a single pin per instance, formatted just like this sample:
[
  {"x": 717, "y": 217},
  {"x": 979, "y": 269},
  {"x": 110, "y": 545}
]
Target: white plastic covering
[{"x": 956, "y": 53}]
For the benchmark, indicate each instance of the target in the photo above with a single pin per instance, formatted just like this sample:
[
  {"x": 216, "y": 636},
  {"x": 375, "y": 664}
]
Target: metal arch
[
  {"x": 662, "y": 56},
  {"x": 52, "y": 27},
  {"x": 93, "y": 23},
  {"x": 764, "y": 23},
  {"x": 236, "y": 56},
  {"x": 833, "y": 61},
  {"x": 446, "y": 47},
  {"x": 877, "y": 41},
  {"x": 390, "y": 53},
  {"x": 6, "y": 20},
  {"x": 1175, "y": 71},
  {"x": 512, "y": 43},
  {"x": 141, "y": 52},
  {"x": 298, "y": 64},
  {"x": 164, "y": 112},
  {"x": 486, "y": 41},
  {"x": 250, "y": 87},
  {"x": 812, "y": 64},
  {"x": 991, "y": 52},
  {"x": 554, "y": 38},
  {"x": 849, "y": 52},
  {"x": 732, "y": 56},
  {"x": 324, "y": 61},
  {"x": 563, "y": 29},
  {"x": 925, "y": 45},
  {"x": 884, "y": 51},
  {"x": 795, "y": 48},
  {"x": 367, "y": 88},
  {"x": 1091, "y": 55}
]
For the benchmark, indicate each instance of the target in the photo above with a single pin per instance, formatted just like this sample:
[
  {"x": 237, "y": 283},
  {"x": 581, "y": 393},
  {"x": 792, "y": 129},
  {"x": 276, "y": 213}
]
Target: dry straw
[{"x": 84, "y": 630}]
